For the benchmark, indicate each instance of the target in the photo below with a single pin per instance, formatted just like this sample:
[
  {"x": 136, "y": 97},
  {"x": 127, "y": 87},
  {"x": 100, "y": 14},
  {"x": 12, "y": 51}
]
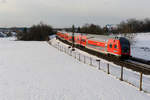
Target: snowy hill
[{"x": 38, "y": 71}]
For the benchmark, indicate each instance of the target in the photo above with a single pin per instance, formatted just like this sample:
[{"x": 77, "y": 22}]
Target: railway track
[
  {"x": 135, "y": 64},
  {"x": 139, "y": 64},
  {"x": 142, "y": 61}
]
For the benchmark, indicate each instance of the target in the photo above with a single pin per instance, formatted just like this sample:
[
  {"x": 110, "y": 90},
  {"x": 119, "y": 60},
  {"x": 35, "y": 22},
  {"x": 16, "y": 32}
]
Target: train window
[
  {"x": 110, "y": 45},
  {"x": 83, "y": 40},
  {"x": 115, "y": 46}
]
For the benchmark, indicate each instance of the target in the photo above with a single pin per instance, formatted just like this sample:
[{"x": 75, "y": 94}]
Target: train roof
[
  {"x": 100, "y": 37},
  {"x": 94, "y": 37}
]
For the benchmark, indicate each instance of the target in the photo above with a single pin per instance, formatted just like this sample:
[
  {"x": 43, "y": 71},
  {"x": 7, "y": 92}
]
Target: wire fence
[{"x": 139, "y": 80}]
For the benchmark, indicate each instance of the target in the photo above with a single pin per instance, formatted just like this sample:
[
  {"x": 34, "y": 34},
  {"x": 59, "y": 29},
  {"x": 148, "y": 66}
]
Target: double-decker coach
[{"x": 117, "y": 46}]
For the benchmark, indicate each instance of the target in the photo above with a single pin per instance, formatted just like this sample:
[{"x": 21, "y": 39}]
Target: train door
[
  {"x": 78, "y": 40},
  {"x": 110, "y": 46},
  {"x": 116, "y": 47},
  {"x": 106, "y": 46}
]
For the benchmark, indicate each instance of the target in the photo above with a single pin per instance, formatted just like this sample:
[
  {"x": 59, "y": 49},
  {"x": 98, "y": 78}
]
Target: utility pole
[
  {"x": 80, "y": 39},
  {"x": 73, "y": 30},
  {"x": 108, "y": 28}
]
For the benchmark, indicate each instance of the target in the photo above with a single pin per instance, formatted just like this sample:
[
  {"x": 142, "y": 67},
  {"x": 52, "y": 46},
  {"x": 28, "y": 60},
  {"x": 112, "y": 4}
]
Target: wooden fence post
[
  {"x": 65, "y": 50},
  {"x": 141, "y": 76},
  {"x": 75, "y": 55},
  {"x": 71, "y": 53},
  {"x": 84, "y": 59},
  {"x": 68, "y": 51},
  {"x": 90, "y": 61},
  {"x": 79, "y": 56},
  {"x": 121, "y": 77},
  {"x": 108, "y": 68},
  {"x": 99, "y": 65}
]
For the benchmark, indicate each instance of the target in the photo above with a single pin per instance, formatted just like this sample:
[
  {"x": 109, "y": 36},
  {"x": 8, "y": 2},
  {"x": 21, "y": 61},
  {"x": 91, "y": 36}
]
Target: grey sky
[{"x": 64, "y": 13}]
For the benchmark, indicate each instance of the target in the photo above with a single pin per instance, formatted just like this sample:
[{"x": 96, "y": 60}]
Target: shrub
[
  {"x": 91, "y": 29},
  {"x": 38, "y": 32}
]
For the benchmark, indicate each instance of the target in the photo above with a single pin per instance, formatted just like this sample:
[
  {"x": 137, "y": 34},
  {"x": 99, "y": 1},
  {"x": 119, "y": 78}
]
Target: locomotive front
[{"x": 125, "y": 47}]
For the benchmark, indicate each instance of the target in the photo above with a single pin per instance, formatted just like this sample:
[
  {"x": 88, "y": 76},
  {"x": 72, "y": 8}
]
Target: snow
[
  {"x": 2, "y": 34},
  {"x": 141, "y": 46},
  {"x": 38, "y": 71}
]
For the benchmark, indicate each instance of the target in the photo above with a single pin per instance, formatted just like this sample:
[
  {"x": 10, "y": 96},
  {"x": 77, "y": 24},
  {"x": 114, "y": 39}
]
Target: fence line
[{"x": 85, "y": 59}]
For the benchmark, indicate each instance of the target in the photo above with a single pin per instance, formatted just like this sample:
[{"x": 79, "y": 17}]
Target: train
[{"x": 108, "y": 45}]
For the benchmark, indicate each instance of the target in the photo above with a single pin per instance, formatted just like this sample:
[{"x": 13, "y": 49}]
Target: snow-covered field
[
  {"x": 141, "y": 46},
  {"x": 38, "y": 71}
]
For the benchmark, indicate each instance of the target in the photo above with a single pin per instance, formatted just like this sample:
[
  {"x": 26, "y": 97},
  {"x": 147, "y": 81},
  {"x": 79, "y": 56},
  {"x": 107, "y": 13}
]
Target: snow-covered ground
[
  {"x": 141, "y": 46},
  {"x": 38, "y": 71}
]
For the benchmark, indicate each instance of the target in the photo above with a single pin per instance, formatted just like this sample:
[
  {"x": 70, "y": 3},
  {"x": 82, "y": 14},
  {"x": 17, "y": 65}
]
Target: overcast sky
[{"x": 64, "y": 13}]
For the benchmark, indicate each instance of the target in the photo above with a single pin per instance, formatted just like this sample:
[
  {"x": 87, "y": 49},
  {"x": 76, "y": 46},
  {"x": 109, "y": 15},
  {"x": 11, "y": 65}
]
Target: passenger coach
[{"x": 117, "y": 46}]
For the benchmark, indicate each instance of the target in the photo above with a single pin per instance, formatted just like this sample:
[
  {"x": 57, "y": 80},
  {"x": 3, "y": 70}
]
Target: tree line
[
  {"x": 134, "y": 26},
  {"x": 128, "y": 26},
  {"x": 40, "y": 32}
]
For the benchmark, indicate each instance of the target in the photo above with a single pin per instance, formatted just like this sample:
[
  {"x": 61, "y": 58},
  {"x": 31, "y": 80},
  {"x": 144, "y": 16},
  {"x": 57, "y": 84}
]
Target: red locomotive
[{"x": 118, "y": 46}]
